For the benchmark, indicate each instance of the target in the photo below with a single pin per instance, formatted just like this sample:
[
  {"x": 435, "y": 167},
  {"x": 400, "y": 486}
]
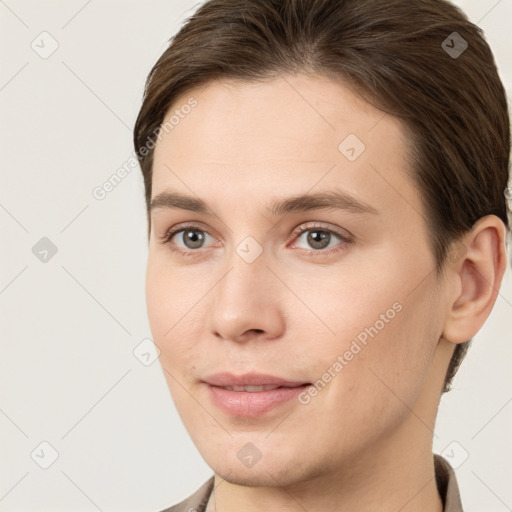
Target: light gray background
[{"x": 69, "y": 326}]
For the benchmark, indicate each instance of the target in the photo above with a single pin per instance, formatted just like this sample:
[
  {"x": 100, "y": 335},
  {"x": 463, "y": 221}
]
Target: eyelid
[
  {"x": 309, "y": 226},
  {"x": 169, "y": 233}
]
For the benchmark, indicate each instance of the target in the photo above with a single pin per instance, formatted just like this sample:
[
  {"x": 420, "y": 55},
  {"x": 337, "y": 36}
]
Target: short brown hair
[{"x": 396, "y": 55}]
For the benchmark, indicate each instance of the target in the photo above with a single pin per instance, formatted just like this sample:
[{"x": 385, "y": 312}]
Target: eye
[
  {"x": 192, "y": 238},
  {"x": 321, "y": 238}
]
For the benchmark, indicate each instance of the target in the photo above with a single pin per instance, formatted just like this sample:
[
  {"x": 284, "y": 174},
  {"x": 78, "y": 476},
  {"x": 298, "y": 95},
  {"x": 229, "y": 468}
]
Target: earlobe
[{"x": 476, "y": 276}]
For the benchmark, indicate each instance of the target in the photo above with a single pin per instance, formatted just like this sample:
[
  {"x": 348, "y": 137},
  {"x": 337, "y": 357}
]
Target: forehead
[
  {"x": 288, "y": 134},
  {"x": 231, "y": 115}
]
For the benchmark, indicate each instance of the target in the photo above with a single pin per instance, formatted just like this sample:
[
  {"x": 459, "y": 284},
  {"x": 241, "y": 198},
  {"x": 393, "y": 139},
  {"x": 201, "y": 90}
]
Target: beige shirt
[{"x": 445, "y": 477}]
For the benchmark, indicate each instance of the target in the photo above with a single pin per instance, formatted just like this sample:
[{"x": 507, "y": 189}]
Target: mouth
[{"x": 251, "y": 399}]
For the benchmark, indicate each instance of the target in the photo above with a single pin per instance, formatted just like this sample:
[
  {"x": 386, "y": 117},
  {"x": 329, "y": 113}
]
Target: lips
[
  {"x": 250, "y": 381},
  {"x": 253, "y": 394}
]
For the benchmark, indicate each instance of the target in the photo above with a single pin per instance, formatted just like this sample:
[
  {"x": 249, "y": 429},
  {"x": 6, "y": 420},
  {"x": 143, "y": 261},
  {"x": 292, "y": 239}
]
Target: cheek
[
  {"x": 377, "y": 338},
  {"x": 386, "y": 360},
  {"x": 158, "y": 298},
  {"x": 170, "y": 294},
  {"x": 164, "y": 303},
  {"x": 356, "y": 303},
  {"x": 176, "y": 315}
]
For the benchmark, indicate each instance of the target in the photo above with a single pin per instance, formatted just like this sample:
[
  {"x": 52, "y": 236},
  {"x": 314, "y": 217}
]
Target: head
[{"x": 254, "y": 106}]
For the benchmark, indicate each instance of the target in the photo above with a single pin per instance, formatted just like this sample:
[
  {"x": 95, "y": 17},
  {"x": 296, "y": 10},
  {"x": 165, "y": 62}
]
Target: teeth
[{"x": 250, "y": 388}]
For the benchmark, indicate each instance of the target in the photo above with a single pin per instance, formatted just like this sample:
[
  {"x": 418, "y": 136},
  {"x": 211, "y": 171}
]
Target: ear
[{"x": 476, "y": 270}]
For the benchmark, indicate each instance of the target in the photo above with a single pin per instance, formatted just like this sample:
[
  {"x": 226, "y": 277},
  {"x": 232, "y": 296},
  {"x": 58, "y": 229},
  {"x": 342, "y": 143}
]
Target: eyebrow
[{"x": 335, "y": 199}]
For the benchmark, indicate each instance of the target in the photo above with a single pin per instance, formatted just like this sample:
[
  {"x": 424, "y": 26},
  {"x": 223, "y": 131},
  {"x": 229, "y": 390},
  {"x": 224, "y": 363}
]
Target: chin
[{"x": 267, "y": 472}]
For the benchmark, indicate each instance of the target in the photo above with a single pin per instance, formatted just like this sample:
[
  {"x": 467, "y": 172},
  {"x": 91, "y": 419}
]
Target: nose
[{"x": 247, "y": 302}]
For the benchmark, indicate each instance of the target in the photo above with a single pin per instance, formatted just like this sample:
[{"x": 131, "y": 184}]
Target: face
[{"x": 335, "y": 292}]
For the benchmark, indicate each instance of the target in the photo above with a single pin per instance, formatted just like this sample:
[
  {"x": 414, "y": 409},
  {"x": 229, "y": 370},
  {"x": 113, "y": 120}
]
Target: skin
[{"x": 365, "y": 440}]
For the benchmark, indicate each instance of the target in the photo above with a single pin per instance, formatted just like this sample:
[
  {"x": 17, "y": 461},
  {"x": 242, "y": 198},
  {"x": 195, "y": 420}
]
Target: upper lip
[{"x": 249, "y": 379}]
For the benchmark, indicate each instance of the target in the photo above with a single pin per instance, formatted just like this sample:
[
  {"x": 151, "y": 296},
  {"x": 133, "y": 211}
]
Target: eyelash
[{"x": 344, "y": 239}]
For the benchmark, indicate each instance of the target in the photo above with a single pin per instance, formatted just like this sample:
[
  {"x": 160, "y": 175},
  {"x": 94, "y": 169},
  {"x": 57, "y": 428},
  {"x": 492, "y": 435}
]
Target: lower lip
[{"x": 252, "y": 404}]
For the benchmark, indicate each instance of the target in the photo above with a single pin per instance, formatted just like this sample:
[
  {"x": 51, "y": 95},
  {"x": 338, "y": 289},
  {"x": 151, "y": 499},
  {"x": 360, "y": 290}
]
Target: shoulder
[
  {"x": 447, "y": 485},
  {"x": 195, "y": 502}
]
